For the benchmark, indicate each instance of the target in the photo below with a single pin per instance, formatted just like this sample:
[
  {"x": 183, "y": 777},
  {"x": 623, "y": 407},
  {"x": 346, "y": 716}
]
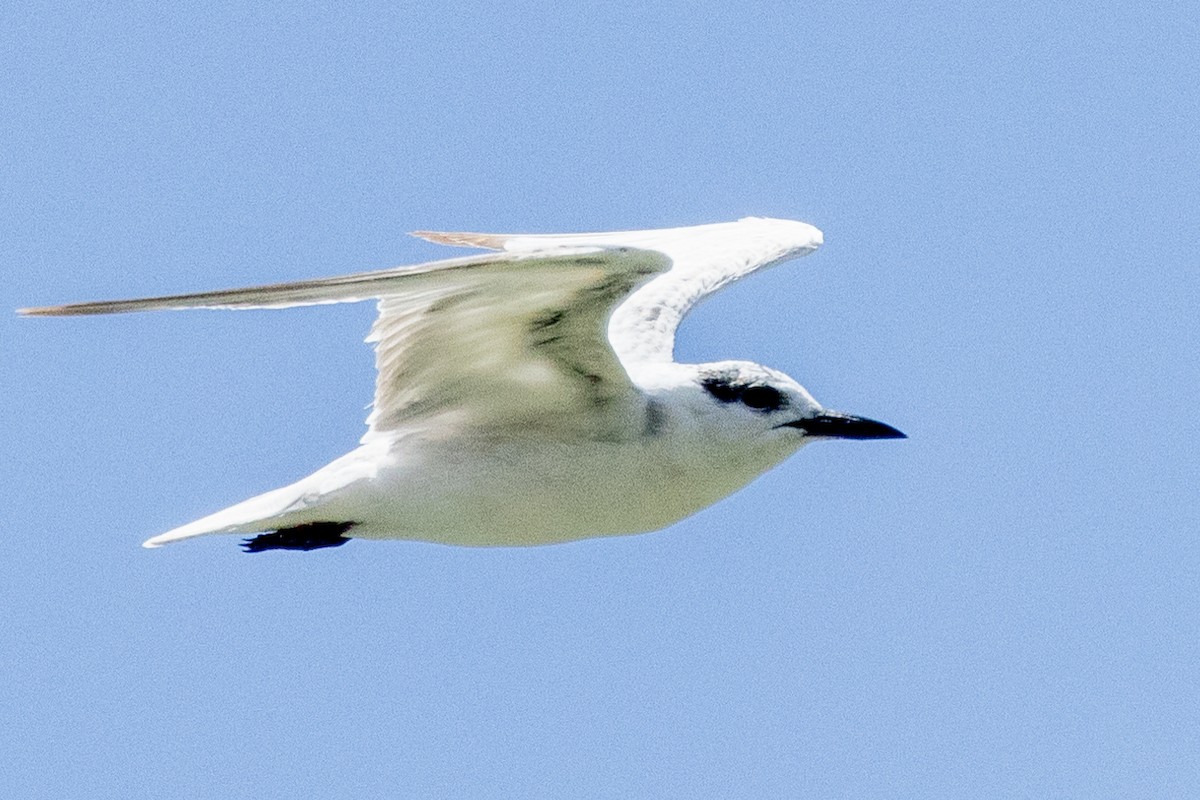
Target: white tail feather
[
  {"x": 259, "y": 513},
  {"x": 304, "y": 501}
]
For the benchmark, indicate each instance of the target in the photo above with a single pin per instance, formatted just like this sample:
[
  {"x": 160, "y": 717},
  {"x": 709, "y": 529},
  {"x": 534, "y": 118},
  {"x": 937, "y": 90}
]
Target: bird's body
[
  {"x": 522, "y": 488},
  {"x": 530, "y": 397}
]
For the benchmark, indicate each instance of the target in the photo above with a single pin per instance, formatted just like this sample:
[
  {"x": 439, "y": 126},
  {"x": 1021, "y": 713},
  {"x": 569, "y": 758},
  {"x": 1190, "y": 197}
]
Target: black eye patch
[
  {"x": 756, "y": 396},
  {"x": 763, "y": 398}
]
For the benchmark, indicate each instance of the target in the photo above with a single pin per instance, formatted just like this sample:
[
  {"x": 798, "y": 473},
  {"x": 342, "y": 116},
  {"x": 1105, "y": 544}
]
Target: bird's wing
[
  {"x": 491, "y": 342},
  {"x": 520, "y": 346},
  {"x": 540, "y": 336},
  {"x": 704, "y": 258}
]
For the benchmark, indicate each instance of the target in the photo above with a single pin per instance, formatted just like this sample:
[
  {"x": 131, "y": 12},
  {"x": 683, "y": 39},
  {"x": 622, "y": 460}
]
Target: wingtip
[
  {"x": 73, "y": 309},
  {"x": 38, "y": 311}
]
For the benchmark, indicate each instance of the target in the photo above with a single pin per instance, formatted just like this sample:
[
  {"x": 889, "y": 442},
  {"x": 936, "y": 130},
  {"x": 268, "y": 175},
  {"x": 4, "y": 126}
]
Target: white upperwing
[
  {"x": 704, "y": 258},
  {"x": 540, "y": 336}
]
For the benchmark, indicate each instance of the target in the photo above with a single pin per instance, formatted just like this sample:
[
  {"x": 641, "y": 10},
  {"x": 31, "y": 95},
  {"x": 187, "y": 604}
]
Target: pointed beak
[{"x": 832, "y": 425}]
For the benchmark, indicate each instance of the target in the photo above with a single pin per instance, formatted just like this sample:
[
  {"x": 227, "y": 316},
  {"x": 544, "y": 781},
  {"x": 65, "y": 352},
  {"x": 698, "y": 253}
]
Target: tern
[{"x": 530, "y": 396}]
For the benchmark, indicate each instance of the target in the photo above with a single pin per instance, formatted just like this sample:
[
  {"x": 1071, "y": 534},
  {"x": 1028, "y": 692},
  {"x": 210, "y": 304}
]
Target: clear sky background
[{"x": 1004, "y": 605}]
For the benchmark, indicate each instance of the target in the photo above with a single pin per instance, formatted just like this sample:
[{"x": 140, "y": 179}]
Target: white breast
[{"x": 511, "y": 494}]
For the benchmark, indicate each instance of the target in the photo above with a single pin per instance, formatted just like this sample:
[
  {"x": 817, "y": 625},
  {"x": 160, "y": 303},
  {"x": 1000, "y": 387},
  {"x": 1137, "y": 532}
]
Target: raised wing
[
  {"x": 493, "y": 341},
  {"x": 704, "y": 259}
]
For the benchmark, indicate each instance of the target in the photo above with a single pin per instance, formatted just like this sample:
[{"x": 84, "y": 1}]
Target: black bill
[{"x": 844, "y": 426}]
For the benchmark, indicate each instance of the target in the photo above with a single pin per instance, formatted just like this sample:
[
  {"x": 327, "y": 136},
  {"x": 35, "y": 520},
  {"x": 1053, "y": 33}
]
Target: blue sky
[{"x": 1003, "y": 605}]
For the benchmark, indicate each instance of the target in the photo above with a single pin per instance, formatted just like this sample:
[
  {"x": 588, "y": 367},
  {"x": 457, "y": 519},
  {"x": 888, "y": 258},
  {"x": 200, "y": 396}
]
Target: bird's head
[{"x": 751, "y": 401}]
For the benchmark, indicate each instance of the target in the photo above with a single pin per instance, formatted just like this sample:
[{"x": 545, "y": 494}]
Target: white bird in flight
[{"x": 530, "y": 396}]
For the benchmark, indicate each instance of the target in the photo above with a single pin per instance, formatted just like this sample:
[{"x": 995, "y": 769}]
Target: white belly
[{"x": 512, "y": 495}]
